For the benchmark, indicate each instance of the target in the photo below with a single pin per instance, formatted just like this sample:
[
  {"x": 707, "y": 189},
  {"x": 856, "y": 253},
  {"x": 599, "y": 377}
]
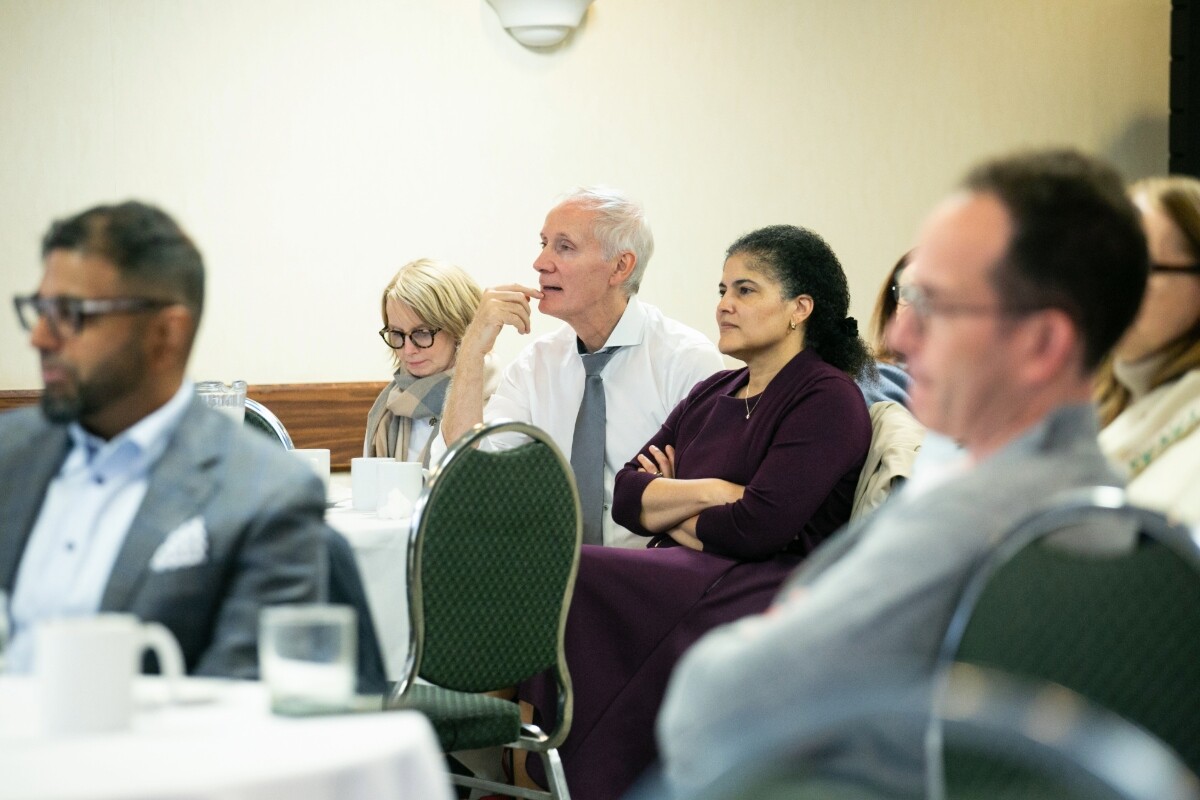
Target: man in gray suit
[
  {"x": 1021, "y": 283},
  {"x": 124, "y": 492}
]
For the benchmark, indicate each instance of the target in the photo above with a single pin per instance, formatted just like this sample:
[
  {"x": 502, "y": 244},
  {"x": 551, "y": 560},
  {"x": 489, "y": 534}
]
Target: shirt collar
[
  {"x": 134, "y": 449},
  {"x": 1065, "y": 427},
  {"x": 1062, "y": 427},
  {"x": 631, "y": 328}
]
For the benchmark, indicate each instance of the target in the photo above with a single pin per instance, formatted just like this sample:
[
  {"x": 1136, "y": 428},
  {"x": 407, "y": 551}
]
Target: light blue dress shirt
[{"x": 89, "y": 507}]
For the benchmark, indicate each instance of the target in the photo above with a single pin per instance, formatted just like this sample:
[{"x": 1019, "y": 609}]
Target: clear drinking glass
[
  {"x": 308, "y": 656},
  {"x": 230, "y": 399}
]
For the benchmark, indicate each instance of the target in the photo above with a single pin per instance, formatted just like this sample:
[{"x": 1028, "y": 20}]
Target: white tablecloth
[
  {"x": 224, "y": 745},
  {"x": 381, "y": 550}
]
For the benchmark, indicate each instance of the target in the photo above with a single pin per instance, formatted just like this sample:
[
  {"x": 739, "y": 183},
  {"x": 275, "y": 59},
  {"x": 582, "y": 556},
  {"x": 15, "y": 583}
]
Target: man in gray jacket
[
  {"x": 123, "y": 492},
  {"x": 1022, "y": 281}
]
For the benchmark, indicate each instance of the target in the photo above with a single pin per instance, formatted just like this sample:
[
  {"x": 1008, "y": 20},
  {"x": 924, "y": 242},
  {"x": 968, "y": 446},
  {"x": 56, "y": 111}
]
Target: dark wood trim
[
  {"x": 328, "y": 415},
  {"x": 18, "y": 398}
]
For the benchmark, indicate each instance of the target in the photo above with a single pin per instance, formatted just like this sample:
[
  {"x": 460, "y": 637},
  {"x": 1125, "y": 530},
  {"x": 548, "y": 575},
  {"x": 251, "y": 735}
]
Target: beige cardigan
[
  {"x": 895, "y": 441},
  {"x": 1156, "y": 441}
]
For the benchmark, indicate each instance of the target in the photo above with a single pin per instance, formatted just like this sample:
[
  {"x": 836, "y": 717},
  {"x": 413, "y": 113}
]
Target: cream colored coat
[
  {"x": 1156, "y": 441},
  {"x": 895, "y": 441}
]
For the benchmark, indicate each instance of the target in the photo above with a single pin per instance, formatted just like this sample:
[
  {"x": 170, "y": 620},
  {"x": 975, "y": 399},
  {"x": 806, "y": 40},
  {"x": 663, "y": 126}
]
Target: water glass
[
  {"x": 230, "y": 399},
  {"x": 308, "y": 655}
]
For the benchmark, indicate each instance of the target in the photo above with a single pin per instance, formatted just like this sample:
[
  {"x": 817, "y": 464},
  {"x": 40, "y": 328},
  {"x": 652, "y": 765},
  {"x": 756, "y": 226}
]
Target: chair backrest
[
  {"x": 1005, "y": 737},
  {"x": 895, "y": 441},
  {"x": 1120, "y": 628},
  {"x": 261, "y": 419},
  {"x": 1009, "y": 739},
  {"x": 493, "y": 551}
]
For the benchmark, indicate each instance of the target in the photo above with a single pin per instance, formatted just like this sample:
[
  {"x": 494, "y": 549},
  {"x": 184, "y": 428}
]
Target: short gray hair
[{"x": 620, "y": 226}]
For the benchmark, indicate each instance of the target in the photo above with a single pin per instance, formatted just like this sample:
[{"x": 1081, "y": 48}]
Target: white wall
[{"x": 313, "y": 146}]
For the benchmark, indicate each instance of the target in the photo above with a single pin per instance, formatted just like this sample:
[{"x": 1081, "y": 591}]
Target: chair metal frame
[
  {"x": 1061, "y": 512},
  {"x": 531, "y": 738},
  {"x": 1037, "y": 726},
  {"x": 264, "y": 414},
  {"x": 1059, "y": 732}
]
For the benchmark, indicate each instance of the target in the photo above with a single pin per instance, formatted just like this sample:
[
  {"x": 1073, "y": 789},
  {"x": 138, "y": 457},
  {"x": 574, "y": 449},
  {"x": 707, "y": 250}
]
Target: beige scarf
[
  {"x": 390, "y": 421},
  {"x": 389, "y": 428},
  {"x": 1153, "y": 423}
]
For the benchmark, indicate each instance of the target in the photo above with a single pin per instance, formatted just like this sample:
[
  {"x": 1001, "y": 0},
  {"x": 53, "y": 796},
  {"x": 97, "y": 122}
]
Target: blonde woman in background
[
  {"x": 889, "y": 380},
  {"x": 426, "y": 308},
  {"x": 1149, "y": 393}
]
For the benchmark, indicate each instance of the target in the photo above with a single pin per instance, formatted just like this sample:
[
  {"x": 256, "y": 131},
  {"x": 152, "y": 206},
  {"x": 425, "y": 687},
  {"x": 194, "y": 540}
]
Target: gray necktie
[{"x": 587, "y": 447}]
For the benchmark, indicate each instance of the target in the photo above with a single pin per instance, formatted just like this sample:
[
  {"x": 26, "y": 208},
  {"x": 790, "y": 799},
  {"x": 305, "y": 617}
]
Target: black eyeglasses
[
  {"x": 421, "y": 337},
  {"x": 67, "y": 315},
  {"x": 1179, "y": 269}
]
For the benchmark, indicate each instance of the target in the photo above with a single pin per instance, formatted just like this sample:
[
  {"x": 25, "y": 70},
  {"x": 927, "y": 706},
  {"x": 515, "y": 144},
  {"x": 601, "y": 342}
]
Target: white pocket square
[{"x": 186, "y": 546}]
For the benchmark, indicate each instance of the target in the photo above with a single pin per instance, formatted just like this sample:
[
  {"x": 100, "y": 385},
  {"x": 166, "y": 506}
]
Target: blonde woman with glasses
[
  {"x": 426, "y": 308},
  {"x": 1149, "y": 392}
]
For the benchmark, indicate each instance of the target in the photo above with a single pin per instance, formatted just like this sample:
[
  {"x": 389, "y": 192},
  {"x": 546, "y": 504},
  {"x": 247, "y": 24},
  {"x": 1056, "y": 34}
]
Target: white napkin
[{"x": 397, "y": 506}]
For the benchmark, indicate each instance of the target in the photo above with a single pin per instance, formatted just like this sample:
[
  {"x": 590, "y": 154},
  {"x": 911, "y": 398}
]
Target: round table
[
  {"x": 221, "y": 743},
  {"x": 381, "y": 552}
]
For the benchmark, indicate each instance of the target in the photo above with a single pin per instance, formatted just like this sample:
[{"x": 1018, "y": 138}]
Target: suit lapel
[
  {"x": 24, "y": 477},
  {"x": 179, "y": 486}
]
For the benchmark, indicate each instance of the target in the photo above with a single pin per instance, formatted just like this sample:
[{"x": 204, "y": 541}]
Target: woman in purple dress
[{"x": 747, "y": 475}]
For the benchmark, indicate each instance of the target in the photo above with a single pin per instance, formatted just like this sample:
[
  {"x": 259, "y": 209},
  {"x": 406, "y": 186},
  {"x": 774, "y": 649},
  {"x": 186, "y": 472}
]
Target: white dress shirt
[
  {"x": 660, "y": 360},
  {"x": 84, "y": 518},
  {"x": 421, "y": 430}
]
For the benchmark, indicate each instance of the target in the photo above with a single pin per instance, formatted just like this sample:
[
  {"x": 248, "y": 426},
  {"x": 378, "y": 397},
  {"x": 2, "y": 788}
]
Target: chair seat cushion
[{"x": 462, "y": 720}]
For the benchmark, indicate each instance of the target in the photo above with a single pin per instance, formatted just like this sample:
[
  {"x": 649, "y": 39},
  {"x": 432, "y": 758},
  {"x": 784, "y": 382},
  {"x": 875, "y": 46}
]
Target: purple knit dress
[{"x": 635, "y": 612}]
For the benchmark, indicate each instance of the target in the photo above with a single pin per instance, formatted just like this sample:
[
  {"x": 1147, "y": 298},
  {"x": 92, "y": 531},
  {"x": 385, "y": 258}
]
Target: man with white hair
[{"x": 616, "y": 359}]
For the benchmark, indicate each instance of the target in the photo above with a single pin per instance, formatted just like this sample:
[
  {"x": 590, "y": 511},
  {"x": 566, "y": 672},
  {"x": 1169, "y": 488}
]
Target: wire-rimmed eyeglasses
[
  {"x": 67, "y": 315},
  {"x": 923, "y": 305},
  {"x": 421, "y": 337}
]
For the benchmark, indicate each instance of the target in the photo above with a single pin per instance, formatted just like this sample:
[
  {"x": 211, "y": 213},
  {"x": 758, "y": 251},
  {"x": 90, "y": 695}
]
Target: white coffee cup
[
  {"x": 308, "y": 655},
  {"x": 316, "y": 458},
  {"x": 364, "y": 481},
  {"x": 84, "y": 669},
  {"x": 407, "y": 476}
]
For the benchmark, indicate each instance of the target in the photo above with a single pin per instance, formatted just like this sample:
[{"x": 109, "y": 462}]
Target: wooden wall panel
[
  {"x": 329, "y": 415},
  {"x": 18, "y": 398}
]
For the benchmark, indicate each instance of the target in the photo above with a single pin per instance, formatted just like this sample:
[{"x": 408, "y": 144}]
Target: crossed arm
[
  {"x": 672, "y": 505},
  {"x": 773, "y": 478}
]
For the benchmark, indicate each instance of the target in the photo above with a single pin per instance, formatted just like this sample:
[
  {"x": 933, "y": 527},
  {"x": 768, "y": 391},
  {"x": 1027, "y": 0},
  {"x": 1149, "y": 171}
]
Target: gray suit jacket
[
  {"x": 263, "y": 513},
  {"x": 865, "y": 614}
]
